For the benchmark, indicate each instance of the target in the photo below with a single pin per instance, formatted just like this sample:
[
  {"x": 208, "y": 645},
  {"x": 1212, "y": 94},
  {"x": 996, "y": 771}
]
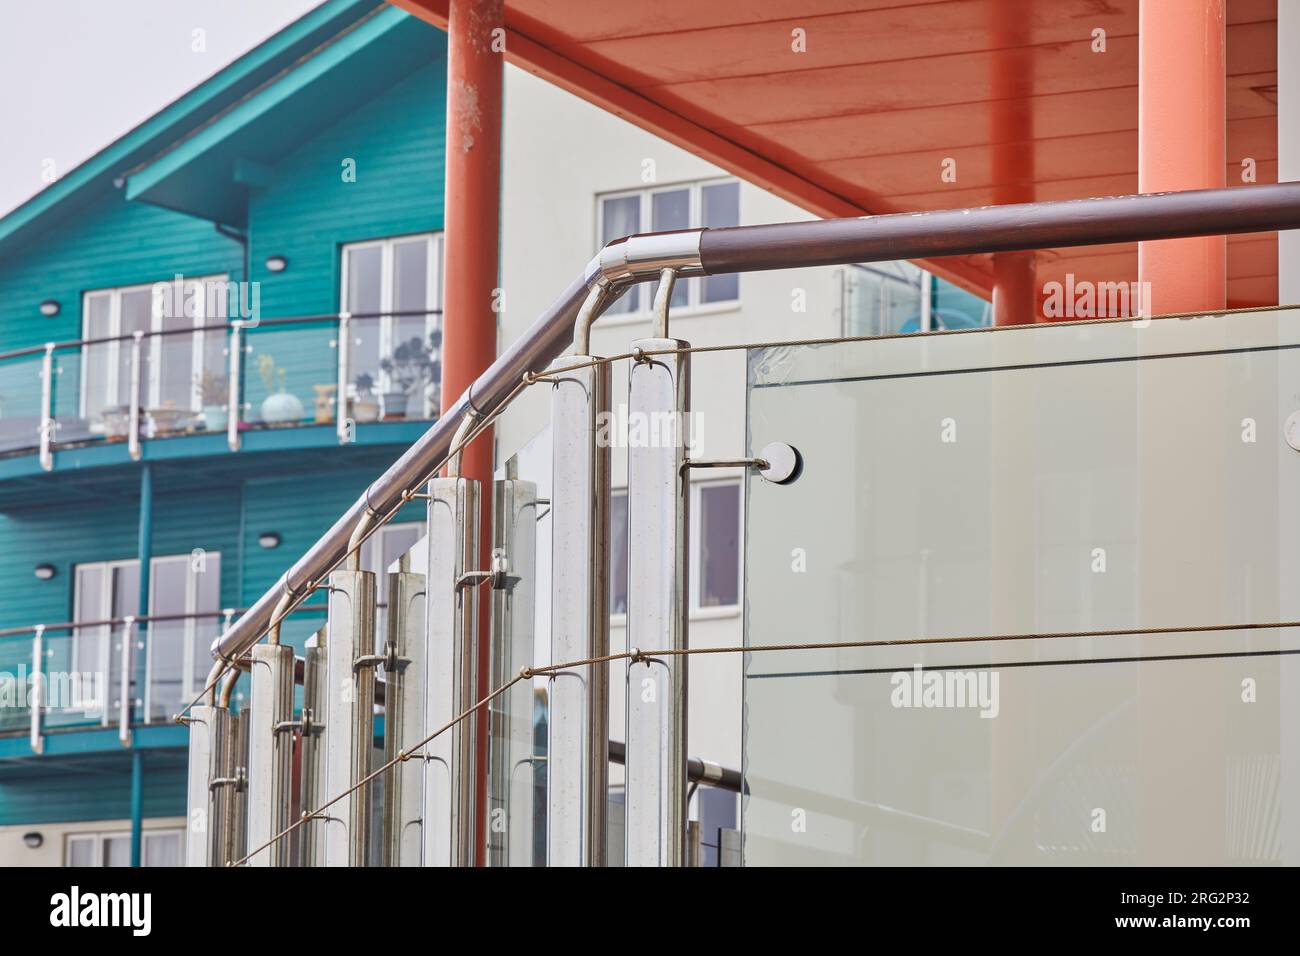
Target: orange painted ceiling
[{"x": 887, "y": 90}]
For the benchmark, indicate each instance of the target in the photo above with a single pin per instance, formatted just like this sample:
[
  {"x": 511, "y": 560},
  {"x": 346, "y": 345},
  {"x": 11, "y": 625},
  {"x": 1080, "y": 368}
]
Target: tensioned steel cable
[
  {"x": 379, "y": 521},
  {"x": 530, "y": 378},
  {"x": 635, "y": 655}
]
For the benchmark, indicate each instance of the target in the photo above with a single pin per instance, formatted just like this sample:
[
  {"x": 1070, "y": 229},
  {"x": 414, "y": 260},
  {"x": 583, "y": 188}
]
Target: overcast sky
[{"x": 77, "y": 74}]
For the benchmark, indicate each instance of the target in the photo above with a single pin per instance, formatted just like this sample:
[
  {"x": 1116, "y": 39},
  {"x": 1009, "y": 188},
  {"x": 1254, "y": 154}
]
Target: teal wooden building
[{"x": 212, "y": 334}]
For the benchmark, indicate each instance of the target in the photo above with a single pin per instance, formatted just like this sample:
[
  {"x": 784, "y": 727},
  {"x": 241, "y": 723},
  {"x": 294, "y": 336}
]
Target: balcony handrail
[
  {"x": 138, "y": 619},
  {"x": 247, "y": 325},
  {"x": 826, "y": 242}
]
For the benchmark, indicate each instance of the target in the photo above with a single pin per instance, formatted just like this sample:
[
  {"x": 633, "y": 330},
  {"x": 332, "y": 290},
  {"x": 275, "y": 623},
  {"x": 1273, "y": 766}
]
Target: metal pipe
[
  {"x": 234, "y": 402},
  {"x": 1009, "y": 228},
  {"x": 36, "y": 701},
  {"x": 792, "y": 245},
  {"x": 124, "y": 681},
  {"x": 458, "y": 442},
  {"x": 341, "y": 392},
  {"x": 137, "y": 807},
  {"x": 133, "y": 432},
  {"x": 47, "y": 409},
  {"x": 664, "y": 298}
]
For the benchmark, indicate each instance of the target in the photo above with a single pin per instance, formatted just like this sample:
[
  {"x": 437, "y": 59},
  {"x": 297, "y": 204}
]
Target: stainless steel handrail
[{"x": 782, "y": 246}]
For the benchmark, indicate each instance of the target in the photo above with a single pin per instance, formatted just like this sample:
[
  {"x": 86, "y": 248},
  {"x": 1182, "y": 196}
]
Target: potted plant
[
  {"x": 365, "y": 406},
  {"x": 409, "y": 367},
  {"x": 213, "y": 395},
  {"x": 117, "y": 422},
  {"x": 166, "y": 419},
  {"x": 281, "y": 406}
]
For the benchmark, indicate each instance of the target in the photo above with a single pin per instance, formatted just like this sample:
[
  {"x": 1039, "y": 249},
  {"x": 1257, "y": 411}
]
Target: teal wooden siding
[
  {"x": 309, "y": 212},
  {"x": 59, "y": 790},
  {"x": 111, "y": 243}
]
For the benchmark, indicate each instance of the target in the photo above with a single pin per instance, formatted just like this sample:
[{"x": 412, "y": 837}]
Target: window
[
  {"x": 383, "y": 277},
  {"x": 888, "y": 298},
  {"x": 378, "y": 552},
  {"x": 172, "y": 367},
  {"x": 659, "y": 209},
  {"x": 715, "y": 547},
  {"x": 157, "y": 848},
  {"x": 177, "y": 661}
]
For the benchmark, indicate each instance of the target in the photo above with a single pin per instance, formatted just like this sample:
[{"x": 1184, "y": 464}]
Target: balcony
[{"x": 225, "y": 380}]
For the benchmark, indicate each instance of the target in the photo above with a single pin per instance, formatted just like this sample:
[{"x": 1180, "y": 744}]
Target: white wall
[
  {"x": 13, "y": 852},
  {"x": 560, "y": 153}
]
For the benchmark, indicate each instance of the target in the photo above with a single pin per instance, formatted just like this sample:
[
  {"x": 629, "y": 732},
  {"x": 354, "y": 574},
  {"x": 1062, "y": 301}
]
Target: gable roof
[
  {"x": 96, "y": 176},
  {"x": 208, "y": 172}
]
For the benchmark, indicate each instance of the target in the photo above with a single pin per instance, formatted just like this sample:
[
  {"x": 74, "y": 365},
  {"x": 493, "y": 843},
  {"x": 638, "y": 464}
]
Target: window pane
[
  {"x": 216, "y": 310},
  {"x": 621, "y": 217},
  {"x": 409, "y": 336},
  {"x": 721, "y": 207},
  {"x": 671, "y": 210},
  {"x": 167, "y": 638},
  {"x": 137, "y": 312},
  {"x": 618, "y": 553},
  {"x": 207, "y": 597},
  {"x": 161, "y": 849},
  {"x": 88, "y": 643},
  {"x": 365, "y": 281},
  {"x": 81, "y": 851},
  {"x": 117, "y": 851},
  {"x": 719, "y": 545},
  {"x": 176, "y": 370},
  {"x": 98, "y": 357}
]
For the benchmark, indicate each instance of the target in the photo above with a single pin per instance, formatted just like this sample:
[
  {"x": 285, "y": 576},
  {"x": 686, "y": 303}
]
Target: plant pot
[
  {"x": 325, "y": 403},
  {"x": 281, "y": 409},
  {"x": 166, "y": 420},
  {"x": 365, "y": 408},
  {"x": 117, "y": 422},
  {"x": 395, "y": 404},
  {"x": 215, "y": 418}
]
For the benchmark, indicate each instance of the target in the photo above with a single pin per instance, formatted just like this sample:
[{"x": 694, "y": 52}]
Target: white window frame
[
  {"x": 698, "y": 611},
  {"x": 387, "y": 271},
  {"x": 154, "y": 344},
  {"x": 189, "y": 686},
  {"x": 641, "y": 291},
  {"x": 99, "y": 837}
]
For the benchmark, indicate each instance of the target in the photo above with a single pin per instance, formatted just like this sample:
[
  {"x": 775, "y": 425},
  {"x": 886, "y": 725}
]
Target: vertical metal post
[
  {"x": 404, "y": 675},
  {"x": 450, "y": 783},
  {"x": 350, "y": 716},
  {"x": 144, "y": 556},
  {"x": 125, "y": 657},
  {"x": 234, "y": 401},
  {"x": 270, "y": 752},
  {"x": 133, "y": 435},
  {"x": 226, "y": 785},
  {"x": 311, "y": 835},
  {"x": 36, "y": 699},
  {"x": 137, "y": 807},
  {"x": 658, "y": 494},
  {"x": 198, "y": 838},
  {"x": 341, "y": 410},
  {"x": 47, "y": 408},
  {"x": 510, "y": 772},
  {"x": 577, "y": 756}
]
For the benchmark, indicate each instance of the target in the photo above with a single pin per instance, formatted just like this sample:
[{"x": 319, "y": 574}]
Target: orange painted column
[
  {"x": 472, "y": 222},
  {"x": 1015, "y": 289},
  {"x": 1182, "y": 144}
]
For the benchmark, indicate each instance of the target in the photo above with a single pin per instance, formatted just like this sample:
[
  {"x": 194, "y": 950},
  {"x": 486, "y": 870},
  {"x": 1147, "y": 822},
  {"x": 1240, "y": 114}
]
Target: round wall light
[
  {"x": 44, "y": 571},
  {"x": 50, "y": 308},
  {"x": 276, "y": 264},
  {"x": 268, "y": 540},
  {"x": 33, "y": 840}
]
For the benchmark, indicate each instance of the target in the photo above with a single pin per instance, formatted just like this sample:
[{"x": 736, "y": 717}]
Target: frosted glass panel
[{"x": 1060, "y": 481}]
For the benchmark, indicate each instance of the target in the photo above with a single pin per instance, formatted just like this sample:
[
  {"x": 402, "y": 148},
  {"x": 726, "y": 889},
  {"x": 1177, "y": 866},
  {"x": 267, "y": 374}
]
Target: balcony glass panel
[{"x": 1067, "y": 479}]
